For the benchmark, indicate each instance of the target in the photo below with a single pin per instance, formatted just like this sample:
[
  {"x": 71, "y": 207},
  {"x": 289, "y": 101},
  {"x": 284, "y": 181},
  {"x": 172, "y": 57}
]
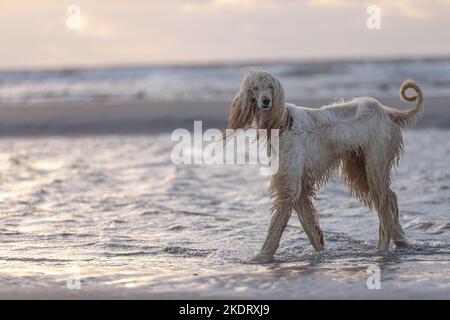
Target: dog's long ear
[
  {"x": 278, "y": 96},
  {"x": 240, "y": 112},
  {"x": 276, "y": 118},
  {"x": 243, "y": 108}
]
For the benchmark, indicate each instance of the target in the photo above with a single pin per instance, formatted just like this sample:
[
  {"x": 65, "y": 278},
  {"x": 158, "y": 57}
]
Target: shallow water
[{"x": 112, "y": 216}]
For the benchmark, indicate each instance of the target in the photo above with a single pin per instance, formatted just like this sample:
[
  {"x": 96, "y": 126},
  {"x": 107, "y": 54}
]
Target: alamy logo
[
  {"x": 374, "y": 19},
  {"x": 73, "y": 21},
  {"x": 242, "y": 148},
  {"x": 374, "y": 281},
  {"x": 74, "y": 280}
]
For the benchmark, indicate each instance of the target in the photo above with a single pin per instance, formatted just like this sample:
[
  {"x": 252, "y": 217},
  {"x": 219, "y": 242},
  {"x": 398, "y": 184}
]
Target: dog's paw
[
  {"x": 401, "y": 244},
  {"x": 262, "y": 258}
]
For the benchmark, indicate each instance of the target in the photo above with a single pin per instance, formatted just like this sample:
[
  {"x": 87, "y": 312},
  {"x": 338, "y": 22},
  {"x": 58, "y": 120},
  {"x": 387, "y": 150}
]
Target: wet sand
[
  {"x": 115, "y": 214},
  {"x": 154, "y": 117}
]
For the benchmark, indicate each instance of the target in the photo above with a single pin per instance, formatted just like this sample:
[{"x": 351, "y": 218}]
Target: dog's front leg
[
  {"x": 277, "y": 225},
  {"x": 284, "y": 189},
  {"x": 309, "y": 220}
]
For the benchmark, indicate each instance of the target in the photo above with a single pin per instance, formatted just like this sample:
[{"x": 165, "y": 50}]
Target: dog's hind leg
[
  {"x": 378, "y": 183},
  {"x": 384, "y": 230},
  {"x": 390, "y": 228},
  {"x": 397, "y": 231},
  {"x": 368, "y": 177},
  {"x": 385, "y": 202},
  {"x": 309, "y": 220}
]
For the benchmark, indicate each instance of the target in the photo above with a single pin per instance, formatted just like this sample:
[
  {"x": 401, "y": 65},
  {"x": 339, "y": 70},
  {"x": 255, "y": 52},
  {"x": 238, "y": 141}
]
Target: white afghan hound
[{"x": 362, "y": 137}]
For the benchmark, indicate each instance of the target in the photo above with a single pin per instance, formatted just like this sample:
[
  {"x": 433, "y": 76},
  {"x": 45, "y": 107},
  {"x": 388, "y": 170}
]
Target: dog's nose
[{"x": 266, "y": 101}]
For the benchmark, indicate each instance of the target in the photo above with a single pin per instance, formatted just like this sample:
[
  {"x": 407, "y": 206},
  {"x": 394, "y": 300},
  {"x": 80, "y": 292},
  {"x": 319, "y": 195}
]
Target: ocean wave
[{"x": 313, "y": 79}]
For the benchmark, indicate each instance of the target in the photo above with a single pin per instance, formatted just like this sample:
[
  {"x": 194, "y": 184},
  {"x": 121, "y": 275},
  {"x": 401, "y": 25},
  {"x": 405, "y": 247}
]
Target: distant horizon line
[{"x": 223, "y": 63}]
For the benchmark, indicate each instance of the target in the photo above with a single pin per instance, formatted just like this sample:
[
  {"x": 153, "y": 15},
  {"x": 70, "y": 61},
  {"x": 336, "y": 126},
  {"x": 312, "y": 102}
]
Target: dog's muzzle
[{"x": 265, "y": 103}]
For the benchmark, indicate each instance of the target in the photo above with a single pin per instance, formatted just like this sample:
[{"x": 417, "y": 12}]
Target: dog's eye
[
  {"x": 255, "y": 88},
  {"x": 270, "y": 86}
]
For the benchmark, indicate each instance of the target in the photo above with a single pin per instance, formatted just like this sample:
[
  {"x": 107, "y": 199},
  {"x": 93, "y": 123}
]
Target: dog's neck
[{"x": 272, "y": 119}]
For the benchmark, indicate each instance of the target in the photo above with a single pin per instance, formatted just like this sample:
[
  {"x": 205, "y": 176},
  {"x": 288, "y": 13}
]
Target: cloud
[
  {"x": 412, "y": 9},
  {"x": 407, "y": 8},
  {"x": 176, "y": 31},
  {"x": 215, "y": 5},
  {"x": 92, "y": 27}
]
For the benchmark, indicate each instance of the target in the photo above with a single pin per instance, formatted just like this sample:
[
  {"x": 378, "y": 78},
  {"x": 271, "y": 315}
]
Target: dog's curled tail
[{"x": 408, "y": 117}]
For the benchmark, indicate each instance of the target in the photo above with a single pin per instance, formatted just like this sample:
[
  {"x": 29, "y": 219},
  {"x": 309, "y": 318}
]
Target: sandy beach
[
  {"x": 91, "y": 188},
  {"x": 154, "y": 117}
]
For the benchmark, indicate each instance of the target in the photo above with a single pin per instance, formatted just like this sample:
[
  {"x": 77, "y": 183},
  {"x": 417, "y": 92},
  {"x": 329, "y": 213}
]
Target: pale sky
[{"x": 34, "y": 34}]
